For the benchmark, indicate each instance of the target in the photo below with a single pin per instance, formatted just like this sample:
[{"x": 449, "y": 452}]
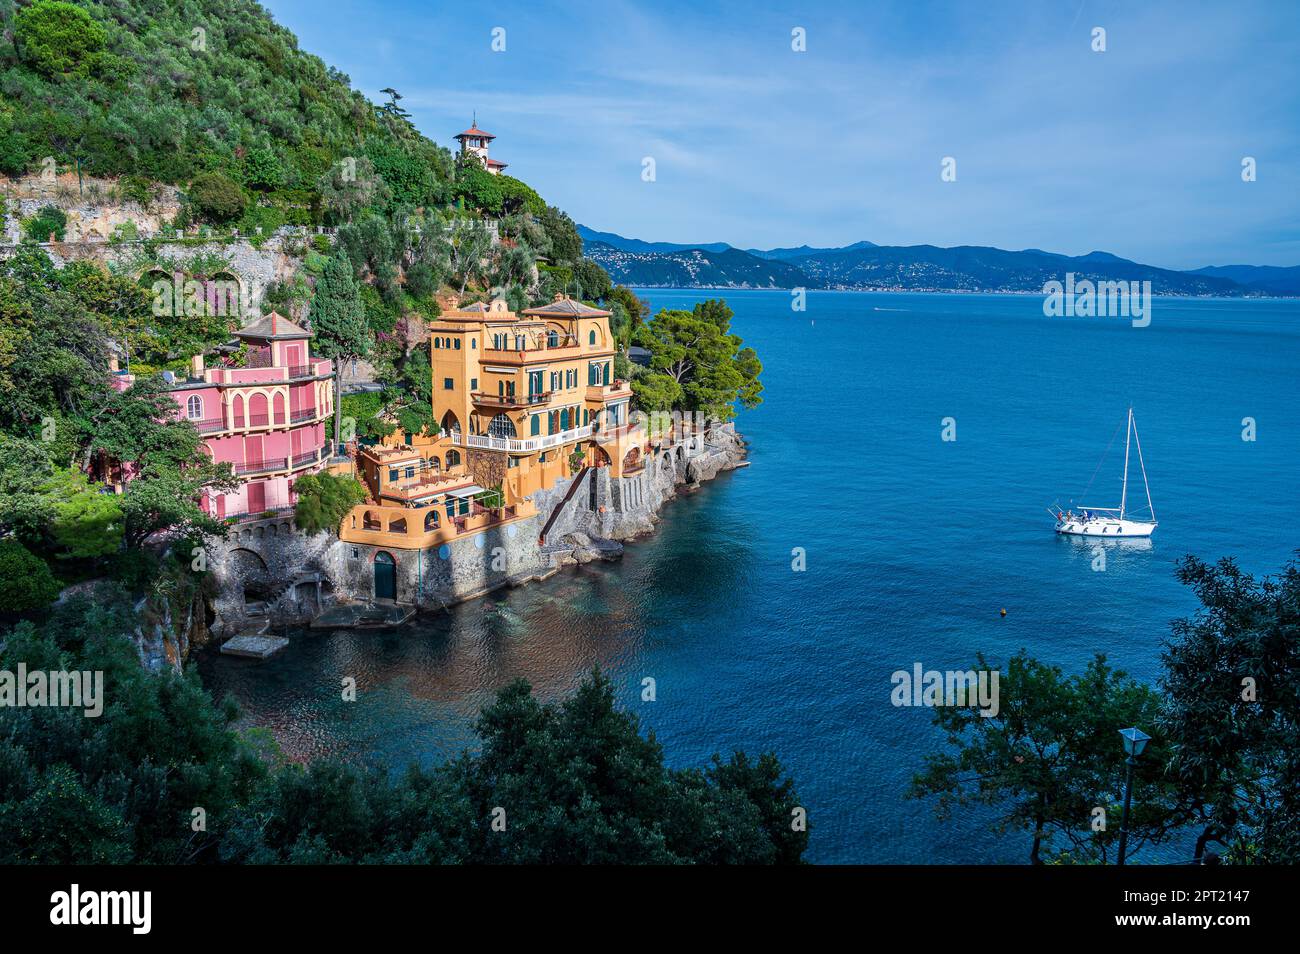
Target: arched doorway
[
  {"x": 451, "y": 426},
  {"x": 501, "y": 426},
  {"x": 385, "y": 576}
]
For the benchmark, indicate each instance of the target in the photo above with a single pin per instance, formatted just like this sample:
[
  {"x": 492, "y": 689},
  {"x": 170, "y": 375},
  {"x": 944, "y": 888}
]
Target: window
[
  {"x": 456, "y": 343},
  {"x": 437, "y": 342},
  {"x": 512, "y": 462},
  {"x": 448, "y": 384},
  {"x": 194, "y": 408},
  {"x": 536, "y": 427},
  {"x": 552, "y": 339},
  {"x": 410, "y": 472},
  {"x": 473, "y": 384},
  {"x": 392, "y": 474},
  {"x": 473, "y": 343},
  {"x": 591, "y": 338},
  {"x": 356, "y": 554},
  {"x": 501, "y": 426}
]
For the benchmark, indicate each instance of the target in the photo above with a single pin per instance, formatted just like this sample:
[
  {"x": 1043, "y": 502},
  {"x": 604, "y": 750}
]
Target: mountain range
[{"x": 865, "y": 265}]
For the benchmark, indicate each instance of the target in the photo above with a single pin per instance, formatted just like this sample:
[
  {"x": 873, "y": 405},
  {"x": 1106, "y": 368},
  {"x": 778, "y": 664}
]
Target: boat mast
[
  {"x": 1142, "y": 464},
  {"x": 1123, "y": 494}
]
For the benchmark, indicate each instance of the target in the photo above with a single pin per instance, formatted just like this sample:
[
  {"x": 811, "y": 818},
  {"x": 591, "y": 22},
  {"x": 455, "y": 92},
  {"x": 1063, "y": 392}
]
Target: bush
[
  {"x": 217, "y": 197},
  {"x": 57, "y": 37},
  {"x": 26, "y": 583},
  {"x": 51, "y": 220},
  {"x": 324, "y": 500}
]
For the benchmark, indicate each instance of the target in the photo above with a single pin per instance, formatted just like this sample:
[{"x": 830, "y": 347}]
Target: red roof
[
  {"x": 475, "y": 131},
  {"x": 497, "y": 163}
]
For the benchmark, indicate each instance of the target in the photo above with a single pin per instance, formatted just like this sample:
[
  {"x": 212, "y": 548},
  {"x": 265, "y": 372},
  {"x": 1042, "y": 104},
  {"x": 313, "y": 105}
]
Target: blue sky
[{"x": 1135, "y": 151}]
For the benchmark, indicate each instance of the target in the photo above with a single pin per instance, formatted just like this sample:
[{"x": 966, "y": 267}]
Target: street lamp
[{"x": 1135, "y": 740}]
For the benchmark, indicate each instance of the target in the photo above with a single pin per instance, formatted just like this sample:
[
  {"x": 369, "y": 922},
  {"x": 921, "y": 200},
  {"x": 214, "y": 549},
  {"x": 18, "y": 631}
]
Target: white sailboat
[{"x": 1112, "y": 522}]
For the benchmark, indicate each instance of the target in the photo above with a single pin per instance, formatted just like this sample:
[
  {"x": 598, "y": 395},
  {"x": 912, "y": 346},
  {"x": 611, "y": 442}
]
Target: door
[
  {"x": 385, "y": 577},
  {"x": 257, "y": 497}
]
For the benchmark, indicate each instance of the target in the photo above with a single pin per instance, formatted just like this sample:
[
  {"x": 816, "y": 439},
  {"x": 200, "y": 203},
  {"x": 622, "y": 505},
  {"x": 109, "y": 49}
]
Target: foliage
[
  {"x": 1048, "y": 756},
  {"x": 708, "y": 364},
  {"x": 324, "y": 500},
  {"x": 57, "y": 37},
  {"x": 26, "y": 583},
  {"x": 49, "y": 221},
  {"x": 217, "y": 197},
  {"x": 1232, "y": 716}
]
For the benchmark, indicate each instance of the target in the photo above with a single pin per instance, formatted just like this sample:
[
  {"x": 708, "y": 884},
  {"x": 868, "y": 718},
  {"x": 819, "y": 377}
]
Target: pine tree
[{"x": 339, "y": 324}]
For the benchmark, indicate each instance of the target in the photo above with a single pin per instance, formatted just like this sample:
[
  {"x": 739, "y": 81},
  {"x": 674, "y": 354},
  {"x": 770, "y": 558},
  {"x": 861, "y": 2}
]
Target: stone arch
[
  {"x": 602, "y": 456},
  {"x": 370, "y": 521},
  {"x": 453, "y": 459},
  {"x": 632, "y": 459},
  {"x": 431, "y": 520},
  {"x": 451, "y": 425}
]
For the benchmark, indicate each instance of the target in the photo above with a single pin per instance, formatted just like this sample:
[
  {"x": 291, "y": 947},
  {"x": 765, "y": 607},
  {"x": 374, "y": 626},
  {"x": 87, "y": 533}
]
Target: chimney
[{"x": 196, "y": 367}]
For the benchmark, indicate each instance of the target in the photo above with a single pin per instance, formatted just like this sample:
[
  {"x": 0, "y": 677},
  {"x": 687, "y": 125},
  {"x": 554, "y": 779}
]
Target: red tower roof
[{"x": 474, "y": 131}]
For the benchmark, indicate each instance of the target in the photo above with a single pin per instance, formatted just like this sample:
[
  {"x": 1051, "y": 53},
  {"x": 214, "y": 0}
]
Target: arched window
[
  {"x": 451, "y": 426},
  {"x": 437, "y": 342},
  {"x": 194, "y": 408},
  {"x": 453, "y": 459},
  {"x": 456, "y": 344},
  {"x": 564, "y": 419},
  {"x": 501, "y": 426},
  {"x": 431, "y": 520},
  {"x": 591, "y": 338},
  {"x": 536, "y": 427}
]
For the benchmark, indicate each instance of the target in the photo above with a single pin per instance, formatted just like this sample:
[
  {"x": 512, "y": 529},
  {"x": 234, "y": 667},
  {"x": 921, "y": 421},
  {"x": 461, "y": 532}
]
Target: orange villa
[{"x": 523, "y": 401}]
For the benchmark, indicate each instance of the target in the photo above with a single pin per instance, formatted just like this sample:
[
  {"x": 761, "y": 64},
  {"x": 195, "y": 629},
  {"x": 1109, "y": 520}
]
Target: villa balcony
[
  {"x": 269, "y": 466},
  {"x": 602, "y": 393},
  {"x": 510, "y": 400},
  {"x": 524, "y": 445}
]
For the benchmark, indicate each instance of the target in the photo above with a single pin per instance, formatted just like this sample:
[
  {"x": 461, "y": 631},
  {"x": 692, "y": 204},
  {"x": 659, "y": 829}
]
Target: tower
[{"x": 476, "y": 141}]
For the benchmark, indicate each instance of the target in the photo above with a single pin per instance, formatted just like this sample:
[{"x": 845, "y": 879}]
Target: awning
[{"x": 469, "y": 491}]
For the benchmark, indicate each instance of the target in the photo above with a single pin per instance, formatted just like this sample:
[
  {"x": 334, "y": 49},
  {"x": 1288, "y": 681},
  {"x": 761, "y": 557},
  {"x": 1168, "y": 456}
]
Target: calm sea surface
[{"x": 913, "y": 546}]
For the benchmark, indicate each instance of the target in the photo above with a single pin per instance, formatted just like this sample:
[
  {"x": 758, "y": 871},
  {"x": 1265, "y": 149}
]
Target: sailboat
[{"x": 1112, "y": 521}]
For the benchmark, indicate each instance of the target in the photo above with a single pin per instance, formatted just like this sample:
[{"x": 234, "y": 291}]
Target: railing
[
  {"x": 309, "y": 458},
  {"x": 259, "y": 420},
  {"x": 305, "y": 414},
  {"x": 511, "y": 400},
  {"x": 210, "y": 425},
  {"x": 527, "y": 444},
  {"x": 300, "y": 370},
  {"x": 262, "y": 466}
]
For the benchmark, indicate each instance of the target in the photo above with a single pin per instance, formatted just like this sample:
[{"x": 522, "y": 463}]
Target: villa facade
[{"x": 265, "y": 414}]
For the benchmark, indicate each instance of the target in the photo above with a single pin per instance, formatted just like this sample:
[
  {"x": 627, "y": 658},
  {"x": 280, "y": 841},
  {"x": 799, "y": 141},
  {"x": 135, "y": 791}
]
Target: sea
[{"x": 902, "y": 463}]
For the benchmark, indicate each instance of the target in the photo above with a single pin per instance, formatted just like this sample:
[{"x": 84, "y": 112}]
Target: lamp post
[{"x": 1135, "y": 740}]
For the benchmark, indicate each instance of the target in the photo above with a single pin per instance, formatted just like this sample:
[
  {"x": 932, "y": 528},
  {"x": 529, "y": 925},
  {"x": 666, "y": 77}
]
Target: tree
[
  {"x": 56, "y": 37},
  {"x": 594, "y": 280},
  {"x": 339, "y": 324},
  {"x": 349, "y": 186},
  {"x": 1231, "y": 685},
  {"x": 1050, "y": 756},
  {"x": 87, "y": 523},
  {"x": 707, "y": 363},
  {"x": 324, "y": 499},
  {"x": 217, "y": 197},
  {"x": 26, "y": 583}
]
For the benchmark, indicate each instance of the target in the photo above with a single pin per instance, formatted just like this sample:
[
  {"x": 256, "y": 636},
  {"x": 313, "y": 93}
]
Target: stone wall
[{"x": 270, "y": 562}]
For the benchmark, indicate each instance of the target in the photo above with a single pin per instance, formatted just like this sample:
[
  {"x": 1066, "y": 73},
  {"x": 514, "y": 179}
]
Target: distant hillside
[
  {"x": 786, "y": 254},
  {"x": 636, "y": 245},
  {"x": 864, "y": 265},
  {"x": 1266, "y": 279},
  {"x": 978, "y": 268},
  {"x": 692, "y": 268}
]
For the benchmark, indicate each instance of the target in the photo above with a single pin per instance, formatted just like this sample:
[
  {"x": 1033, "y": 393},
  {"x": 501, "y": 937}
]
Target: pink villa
[{"x": 267, "y": 419}]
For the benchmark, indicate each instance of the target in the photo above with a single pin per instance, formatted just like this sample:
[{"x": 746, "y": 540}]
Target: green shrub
[
  {"x": 217, "y": 197},
  {"x": 26, "y": 582},
  {"x": 324, "y": 500},
  {"x": 51, "y": 220},
  {"x": 57, "y": 37}
]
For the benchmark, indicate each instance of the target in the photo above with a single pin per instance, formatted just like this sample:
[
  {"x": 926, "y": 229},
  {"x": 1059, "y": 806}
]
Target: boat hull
[{"x": 1113, "y": 528}]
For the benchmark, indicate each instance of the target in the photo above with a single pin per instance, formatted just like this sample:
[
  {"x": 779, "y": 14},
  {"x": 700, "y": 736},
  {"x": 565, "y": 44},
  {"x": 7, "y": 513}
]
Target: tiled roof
[
  {"x": 475, "y": 131},
  {"x": 566, "y": 308},
  {"x": 272, "y": 327}
]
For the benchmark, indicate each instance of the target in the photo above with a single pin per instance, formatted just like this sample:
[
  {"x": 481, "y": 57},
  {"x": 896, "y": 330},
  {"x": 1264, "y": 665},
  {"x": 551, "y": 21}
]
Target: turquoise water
[{"x": 913, "y": 546}]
